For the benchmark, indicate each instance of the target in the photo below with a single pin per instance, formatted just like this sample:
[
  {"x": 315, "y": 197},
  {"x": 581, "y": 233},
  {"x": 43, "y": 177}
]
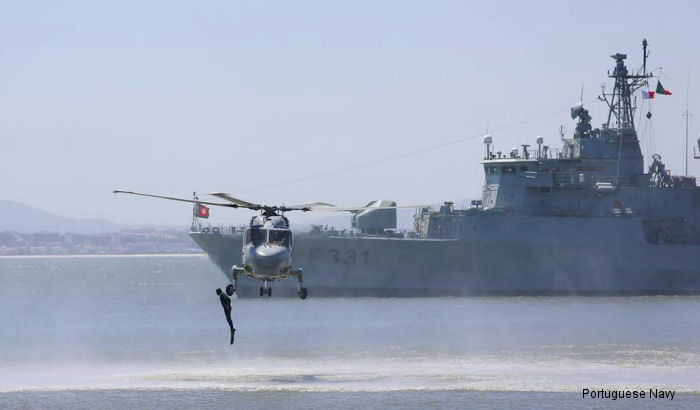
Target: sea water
[{"x": 116, "y": 332}]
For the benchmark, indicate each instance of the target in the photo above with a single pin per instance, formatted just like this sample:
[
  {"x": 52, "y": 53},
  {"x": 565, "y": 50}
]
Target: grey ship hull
[{"x": 496, "y": 255}]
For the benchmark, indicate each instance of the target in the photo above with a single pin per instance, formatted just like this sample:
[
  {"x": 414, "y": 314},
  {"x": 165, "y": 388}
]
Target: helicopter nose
[{"x": 269, "y": 256}]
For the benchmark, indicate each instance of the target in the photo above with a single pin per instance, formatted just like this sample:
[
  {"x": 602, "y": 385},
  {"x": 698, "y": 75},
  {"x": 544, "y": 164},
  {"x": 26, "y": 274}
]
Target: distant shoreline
[{"x": 134, "y": 255}]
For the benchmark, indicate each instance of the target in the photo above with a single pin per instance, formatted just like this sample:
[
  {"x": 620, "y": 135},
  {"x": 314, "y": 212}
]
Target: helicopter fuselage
[
  {"x": 270, "y": 255},
  {"x": 266, "y": 254}
]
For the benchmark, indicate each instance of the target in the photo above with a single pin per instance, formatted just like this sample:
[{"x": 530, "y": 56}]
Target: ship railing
[
  {"x": 220, "y": 229},
  {"x": 563, "y": 212},
  {"x": 621, "y": 180},
  {"x": 532, "y": 153},
  {"x": 581, "y": 180}
]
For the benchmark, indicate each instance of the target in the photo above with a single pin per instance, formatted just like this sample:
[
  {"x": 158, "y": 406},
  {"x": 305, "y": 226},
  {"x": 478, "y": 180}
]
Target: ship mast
[
  {"x": 196, "y": 226},
  {"x": 687, "y": 115},
  {"x": 620, "y": 100}
]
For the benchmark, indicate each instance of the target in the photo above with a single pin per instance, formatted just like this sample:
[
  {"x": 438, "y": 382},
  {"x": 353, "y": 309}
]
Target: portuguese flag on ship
[
  {"x": 661, "y": 90},
  {"x": 202, "y": 211}
]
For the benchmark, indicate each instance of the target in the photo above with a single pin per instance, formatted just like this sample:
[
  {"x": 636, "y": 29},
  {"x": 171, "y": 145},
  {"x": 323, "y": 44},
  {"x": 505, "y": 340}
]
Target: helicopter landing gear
[
  {"x": 301, "y": 290},
  {"x": 234, "y": 278},
  {"x": 265, "y": 289},
  {"x": 232, "y": 288}
]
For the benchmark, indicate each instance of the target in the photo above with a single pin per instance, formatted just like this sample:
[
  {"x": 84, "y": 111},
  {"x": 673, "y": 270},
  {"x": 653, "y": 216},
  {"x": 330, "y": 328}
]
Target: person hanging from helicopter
[{"x": 226, "y": 304}]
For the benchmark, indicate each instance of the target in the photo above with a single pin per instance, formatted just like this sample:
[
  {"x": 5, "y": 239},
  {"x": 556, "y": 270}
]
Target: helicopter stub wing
[{"x": 171, "y": 198}]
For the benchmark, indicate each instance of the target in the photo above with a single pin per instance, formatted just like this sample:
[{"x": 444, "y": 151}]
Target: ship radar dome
[
  {"x": 514, "y": 152},
  {"x": 487, "y": 141},
  {"x": 576, "y": 109},
  {"x": 540, "y": 140}
]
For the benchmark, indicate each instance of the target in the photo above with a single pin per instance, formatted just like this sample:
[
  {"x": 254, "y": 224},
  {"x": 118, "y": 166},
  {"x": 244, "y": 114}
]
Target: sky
[{"x": 171, "y": 97}]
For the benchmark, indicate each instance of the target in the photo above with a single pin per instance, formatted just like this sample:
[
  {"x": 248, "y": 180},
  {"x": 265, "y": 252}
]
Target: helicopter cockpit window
[
  {"x": 280, "y": 237},
  {"x": 256, "y": 236}
]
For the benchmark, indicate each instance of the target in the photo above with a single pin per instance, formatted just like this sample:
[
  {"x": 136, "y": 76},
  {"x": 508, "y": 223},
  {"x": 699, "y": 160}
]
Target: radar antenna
[{"x": 620, "y": 99}]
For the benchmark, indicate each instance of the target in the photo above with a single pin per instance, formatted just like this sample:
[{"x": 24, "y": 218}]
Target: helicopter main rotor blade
[
  {"x": 363, "y": 208},
  {"x": 192, "y": 201},
  {"x": 239, "y": 202},
  {"x": 309, "y": 205}
]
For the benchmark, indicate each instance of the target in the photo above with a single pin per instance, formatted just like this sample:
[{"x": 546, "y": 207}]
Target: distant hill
[{"x": 26, "y": 219}]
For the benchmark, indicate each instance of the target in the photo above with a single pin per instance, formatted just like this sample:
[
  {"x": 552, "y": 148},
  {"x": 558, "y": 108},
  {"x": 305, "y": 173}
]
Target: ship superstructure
[{"x": 598, "y": 173}]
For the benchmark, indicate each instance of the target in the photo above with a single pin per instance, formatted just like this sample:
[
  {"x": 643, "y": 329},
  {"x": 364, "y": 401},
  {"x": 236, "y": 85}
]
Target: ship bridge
[{"x": 600, "y": 160}]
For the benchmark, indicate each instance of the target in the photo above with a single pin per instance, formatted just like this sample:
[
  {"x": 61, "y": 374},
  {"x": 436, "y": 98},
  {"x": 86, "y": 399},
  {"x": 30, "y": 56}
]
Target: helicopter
[{"x": 267, "y": 246}]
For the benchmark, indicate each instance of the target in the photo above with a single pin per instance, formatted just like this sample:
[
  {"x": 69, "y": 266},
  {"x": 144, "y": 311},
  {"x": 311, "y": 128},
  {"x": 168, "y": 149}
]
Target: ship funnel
[{"x": 488, "y": 141}]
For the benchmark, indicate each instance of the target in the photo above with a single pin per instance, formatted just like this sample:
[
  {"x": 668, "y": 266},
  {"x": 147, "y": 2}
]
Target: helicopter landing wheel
[
  {"x": 269, "y": 292},
  {"x": 262, "y": 291},
  {"x": 303, "y": 293}
]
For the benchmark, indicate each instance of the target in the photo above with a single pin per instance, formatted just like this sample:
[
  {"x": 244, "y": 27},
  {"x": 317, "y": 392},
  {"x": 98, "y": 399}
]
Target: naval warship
[{"x": 583, "y": 219}]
